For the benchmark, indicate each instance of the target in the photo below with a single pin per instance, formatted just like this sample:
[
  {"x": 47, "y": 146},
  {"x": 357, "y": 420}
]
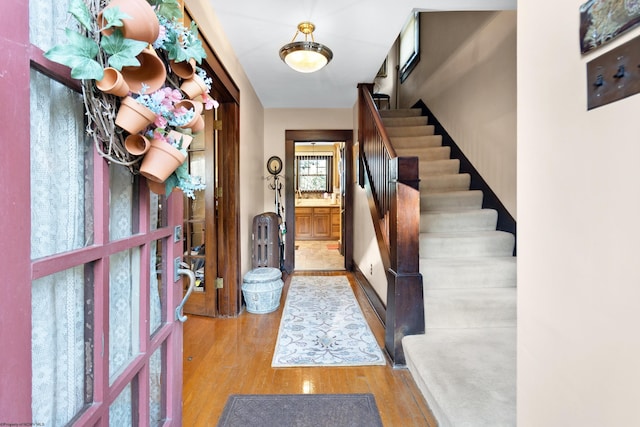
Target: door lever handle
[{"x": 192, "y": 284}]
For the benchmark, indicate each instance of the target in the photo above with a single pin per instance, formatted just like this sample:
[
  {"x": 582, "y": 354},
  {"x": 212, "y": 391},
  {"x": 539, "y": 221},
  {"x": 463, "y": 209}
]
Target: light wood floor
[{"x": 233, "y": 356}]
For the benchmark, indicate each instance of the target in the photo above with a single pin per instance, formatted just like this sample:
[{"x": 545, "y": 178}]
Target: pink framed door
[{"x": 88, "y": 291}]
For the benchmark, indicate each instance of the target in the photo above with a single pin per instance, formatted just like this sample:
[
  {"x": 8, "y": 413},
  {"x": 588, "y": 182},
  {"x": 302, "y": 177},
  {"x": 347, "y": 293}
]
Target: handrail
[
  {"x": 392, "y": 185},
  {"x": 192, "y": 284}
]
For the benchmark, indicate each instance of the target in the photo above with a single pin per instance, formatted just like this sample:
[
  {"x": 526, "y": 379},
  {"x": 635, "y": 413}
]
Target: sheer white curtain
[
  {"x": 60, "y": 169},
  {"x": 155, "y": 321},
  {"x": 124, "y": 290}
]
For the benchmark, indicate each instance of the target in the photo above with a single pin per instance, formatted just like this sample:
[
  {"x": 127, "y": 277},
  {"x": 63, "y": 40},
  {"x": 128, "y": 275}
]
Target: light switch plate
[{"x": 614, "y": 75}]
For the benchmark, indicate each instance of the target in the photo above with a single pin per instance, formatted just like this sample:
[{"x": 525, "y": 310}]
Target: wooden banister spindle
[{"x": 393, "y": 185}]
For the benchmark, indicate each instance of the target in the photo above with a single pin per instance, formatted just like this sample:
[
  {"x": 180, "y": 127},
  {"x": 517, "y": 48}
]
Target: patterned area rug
[
  {"x": 322, "y": 325},
  {"x": 300, "y": 410}
]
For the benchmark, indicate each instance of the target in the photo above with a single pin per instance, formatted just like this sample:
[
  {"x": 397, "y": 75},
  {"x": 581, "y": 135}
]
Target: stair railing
[{"x": 392, "y": 185}]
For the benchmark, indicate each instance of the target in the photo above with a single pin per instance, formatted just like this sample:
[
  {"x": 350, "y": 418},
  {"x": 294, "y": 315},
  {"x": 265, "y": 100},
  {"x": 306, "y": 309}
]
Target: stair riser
[
  {"x": 477, "y": 308},
  {"x": 445, "y": 222},
  {"x": 479, "y": 273},
  {"x": 405, "y": 121},
  {"x": 424, "y": 141},
  {"x": 483, "y": 244},
  {"x": 401, "y": 112},
  {"x": 425, "y": 154},
  {"x": 438, "y": 167},
  {"x": 410, "y": 130},
  {"x": 445, "y": 183},
  {"x": 461, "y": 200}
]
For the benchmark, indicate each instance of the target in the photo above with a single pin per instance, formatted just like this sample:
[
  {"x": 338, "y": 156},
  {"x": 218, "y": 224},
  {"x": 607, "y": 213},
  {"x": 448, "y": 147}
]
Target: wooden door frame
[
  {"x": 291, "y": 137},
  {"x": 223, "y": 233}
]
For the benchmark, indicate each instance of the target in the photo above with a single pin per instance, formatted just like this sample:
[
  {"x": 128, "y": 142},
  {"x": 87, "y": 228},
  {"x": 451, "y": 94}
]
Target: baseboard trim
[
  {"x": 378, "y": 306},
  {"x": 506, "y": 222}
]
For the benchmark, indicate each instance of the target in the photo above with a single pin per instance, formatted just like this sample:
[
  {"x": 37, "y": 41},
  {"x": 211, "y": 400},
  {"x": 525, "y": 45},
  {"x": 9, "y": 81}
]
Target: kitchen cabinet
[{"x": 317, "y": 223}]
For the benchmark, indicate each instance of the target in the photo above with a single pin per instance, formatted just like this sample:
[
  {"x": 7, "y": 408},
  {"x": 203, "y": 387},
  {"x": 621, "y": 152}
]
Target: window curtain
[
  {"x": 124, "y": 290},
  {"x": 60, "y": 221},
  {"x": 155, "y": 299},
  {"x": 327, "y": 159}
]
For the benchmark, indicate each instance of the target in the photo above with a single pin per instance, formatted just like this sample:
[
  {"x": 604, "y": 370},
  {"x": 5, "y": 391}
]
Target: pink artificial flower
[
  {"x": 209, "y": 102},
  {"x": 157, "y": 135},
  {"x": 160, "y": 121},
  {"x": 174, "y": 95},
  {"x": 179, "y": 112}
]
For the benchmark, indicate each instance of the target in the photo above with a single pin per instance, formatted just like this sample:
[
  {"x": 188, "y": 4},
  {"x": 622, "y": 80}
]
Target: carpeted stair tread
[
  {"x": 419, "y": 141},
  {"x": 445, "y": 183},
  {"x": 468, "y": 376},
  {"x": 401, "y": 112},
  {"x": 470, "y": 308},
  {"x": 466, "y": 244},
  {"x": 468, "y": 272},
  {"x": 465, "y": 362},
  {"x": 410, "y": 130},
  {"x": 438, "y": 167},
  {"x": 405, "y": 121},
  {"x": 455, "y": 221},
  {"x": 452, "y": 200},
  {"x": 425, "y": 153}
]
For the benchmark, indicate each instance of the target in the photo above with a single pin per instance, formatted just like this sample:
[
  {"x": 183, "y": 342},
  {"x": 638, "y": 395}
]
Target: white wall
[
  {"x": 467, "y": 78},
  {"x": 251, "y": 124},
  {"x": 578, "y": 233}
]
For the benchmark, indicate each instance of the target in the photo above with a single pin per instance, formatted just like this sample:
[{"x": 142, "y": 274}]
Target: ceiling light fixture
[{"x": 305, "y": 56}]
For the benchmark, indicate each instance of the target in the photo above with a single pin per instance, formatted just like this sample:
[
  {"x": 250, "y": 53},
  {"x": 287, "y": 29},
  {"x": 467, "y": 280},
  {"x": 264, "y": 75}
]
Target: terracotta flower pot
[
  {"x": 133, "y": 116},
  {"x": 113, "y": 83},
  {"x": 193, "y": 87},
  {"x": 151, "y": 72},
  {"x": 196, "y": 125},
  {"x": 176, "y": 136},
  {"x": 160, "y": 161},
  {"x": 137, "y": 144},
  {"x": 157, "y": 187},
  {"x": 143, "y": 24},
  {"x": 184, "y": 69}
]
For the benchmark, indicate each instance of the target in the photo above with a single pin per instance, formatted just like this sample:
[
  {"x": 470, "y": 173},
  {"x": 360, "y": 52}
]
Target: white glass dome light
[{"x": 305, "y": 56}]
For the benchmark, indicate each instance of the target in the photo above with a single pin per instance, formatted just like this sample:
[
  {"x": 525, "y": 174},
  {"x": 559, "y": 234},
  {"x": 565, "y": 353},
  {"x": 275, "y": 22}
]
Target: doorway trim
[{"x": 291, "y": 137}]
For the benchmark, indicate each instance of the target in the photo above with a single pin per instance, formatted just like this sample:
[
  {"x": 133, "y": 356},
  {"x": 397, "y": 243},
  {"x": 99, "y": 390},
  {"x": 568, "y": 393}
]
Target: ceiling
[{"x": 359, "y": 32}]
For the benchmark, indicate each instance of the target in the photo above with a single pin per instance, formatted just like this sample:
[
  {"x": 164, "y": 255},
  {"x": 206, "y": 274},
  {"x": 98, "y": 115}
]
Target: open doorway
[
  {"x": 317, "y": 179},
  {"x": 318, "y": 200}
]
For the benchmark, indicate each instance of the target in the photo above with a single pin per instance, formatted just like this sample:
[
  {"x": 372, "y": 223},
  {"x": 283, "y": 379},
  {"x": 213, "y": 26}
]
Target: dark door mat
[{"x": 300, "y": 410}]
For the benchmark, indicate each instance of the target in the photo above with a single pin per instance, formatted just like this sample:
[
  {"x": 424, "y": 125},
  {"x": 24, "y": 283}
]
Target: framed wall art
[{"x": 603, "y": 20}]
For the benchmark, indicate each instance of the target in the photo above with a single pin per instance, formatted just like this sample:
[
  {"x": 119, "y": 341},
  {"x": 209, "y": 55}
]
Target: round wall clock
[{"x": 274, "y": 165}]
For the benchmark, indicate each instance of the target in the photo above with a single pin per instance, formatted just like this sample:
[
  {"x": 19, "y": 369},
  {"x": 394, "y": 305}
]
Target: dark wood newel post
[{"x": 405, "y": 299}]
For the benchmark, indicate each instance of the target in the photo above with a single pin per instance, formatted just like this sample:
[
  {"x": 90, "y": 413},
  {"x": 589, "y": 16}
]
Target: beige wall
[
  {"x": 467, "y": 77},
  {"x": 251, "y": 124},
  {"x": 279, "y": 120},
  {"x": 578, "y": 233}
]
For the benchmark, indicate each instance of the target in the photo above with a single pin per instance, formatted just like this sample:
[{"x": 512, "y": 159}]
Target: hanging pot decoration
[
  {"x": 193, "y": 87},
  {"x": 137, "y": 144},
  {"x": 113, "y": 83},
  {"x": 143, "y": 25},
  {"x": 185, "y": 69},
  {"x": 151, "y": 72},
  {"x": 175, "y": 137},
  {"x": 197, "y": 123},
  {"x": 160, "y": 161},
  {"x": 157, "y": 187},
  {"x": 133, "y": 116}
]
